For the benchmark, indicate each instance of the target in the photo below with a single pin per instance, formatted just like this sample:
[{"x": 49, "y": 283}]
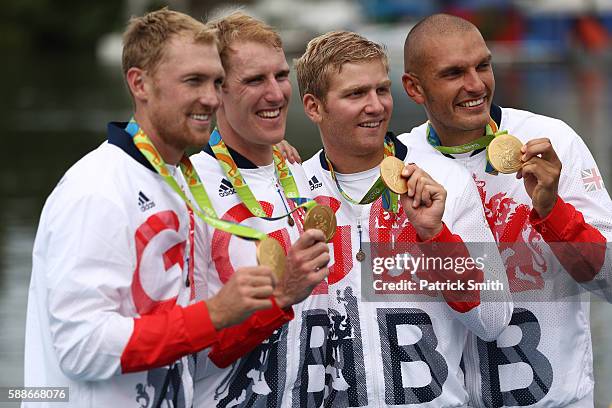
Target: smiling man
[
  {"x": 544, "y": 358},
  {"x": 113, "y": 314},
  {"x": 256, "y": 187},
  {"x": 399, "y": 350}
]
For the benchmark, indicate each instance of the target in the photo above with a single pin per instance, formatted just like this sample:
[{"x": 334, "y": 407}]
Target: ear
[
  {"x": 413, "y": 88},
  {"x": 312, "y": 107},
  {"x": 137, "y": 81}
]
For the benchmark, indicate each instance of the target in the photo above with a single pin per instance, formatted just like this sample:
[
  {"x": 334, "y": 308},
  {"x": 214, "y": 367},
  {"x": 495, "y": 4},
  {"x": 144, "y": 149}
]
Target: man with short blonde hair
[
  {"x": 254, "y": 188},
  {"x": 113, "y": 314},
  {"x": 238, "y": 27},
  {"x": 394, "y": 351},
  {"x": 145, "y": 38},
  {"x": 325, "y": 56}
]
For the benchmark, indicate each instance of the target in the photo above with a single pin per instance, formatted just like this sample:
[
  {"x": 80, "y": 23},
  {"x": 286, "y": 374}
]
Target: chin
[
  {"x": 200, "y": 139},
  {"x": 474, "y": 122}
]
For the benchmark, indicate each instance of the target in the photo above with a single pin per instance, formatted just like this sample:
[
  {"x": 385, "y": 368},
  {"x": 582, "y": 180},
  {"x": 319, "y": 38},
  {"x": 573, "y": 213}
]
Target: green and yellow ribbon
[
  {"x": 232, "y": 172},
  {"x": 204, "y": 208},
  {"x": 491, "y": 132},
  {"x": 389, "y": 199}
]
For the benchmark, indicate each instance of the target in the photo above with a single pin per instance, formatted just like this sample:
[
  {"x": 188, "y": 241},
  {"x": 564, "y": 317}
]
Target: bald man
[{"x": 544, "y": 357}]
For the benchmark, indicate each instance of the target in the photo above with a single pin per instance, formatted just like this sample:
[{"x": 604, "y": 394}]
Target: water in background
[{"x": 56, "y": 110}]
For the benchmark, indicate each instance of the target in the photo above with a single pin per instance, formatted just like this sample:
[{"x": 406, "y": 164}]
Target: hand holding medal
[
  {"x": 540, "y": 171},
  {"x": 321, "y": 217},
  {"x": 422, "y": 198},
  {"x": 305, "y": 268}
]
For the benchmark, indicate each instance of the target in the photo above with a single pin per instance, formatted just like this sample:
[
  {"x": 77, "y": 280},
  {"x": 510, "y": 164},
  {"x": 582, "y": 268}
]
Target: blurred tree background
[{"x": 52, "y": 26}]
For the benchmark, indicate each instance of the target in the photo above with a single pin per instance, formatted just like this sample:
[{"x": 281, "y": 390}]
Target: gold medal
[
  {"x": 504, "y": 154},
  {"x": 270, "y": 253},
  {"x": 391, "y": 174},
  {"x": 290, "y": 221},
  {"x": 360, "y": 256},
  {"x": 321, "y": 217}
]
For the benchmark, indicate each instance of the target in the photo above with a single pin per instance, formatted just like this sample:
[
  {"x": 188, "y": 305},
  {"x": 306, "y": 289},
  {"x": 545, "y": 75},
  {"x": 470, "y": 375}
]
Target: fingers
[
  {"x": 406, "y": 201},
  {"x": 419, "y": 183},
  {"x": 318, "y": 263},
  {"x": 315, "y": 250},
  {"x": 540, "y": 147},
  {"x": 544, "y": 171},
  {"x": 308, "y": 239},
  {"x": 409, "y": 169},
  {"x": 289, "y": 152},
  {"x": 307, "y": 259},
  {"x": 248, "y": 290},
  {"x": 256, "y": 281},
  {"x": 293, "y": 155},
  {"x": 260, "y": 304},
  {"x": 258, "y": 292},
  {"x": 318, "y": 275},
  {"x": 426, "y": 196},
  {"x": 305, "y": 268},
  {"x": 413, "y": 173}
]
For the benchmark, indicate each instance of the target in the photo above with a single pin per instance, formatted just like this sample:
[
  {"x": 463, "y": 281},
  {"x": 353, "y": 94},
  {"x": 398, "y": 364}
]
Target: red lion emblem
[{"x": 519, "y": 243}]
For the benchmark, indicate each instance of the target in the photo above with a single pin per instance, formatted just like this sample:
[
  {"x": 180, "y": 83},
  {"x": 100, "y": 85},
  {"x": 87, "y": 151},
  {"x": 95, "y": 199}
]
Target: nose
[
  {"x": 210, "y": 97},
  {"x": 472, "y": 82},
  {"x": 373, "y": 104},
  {"x": 274, "y": 93}
]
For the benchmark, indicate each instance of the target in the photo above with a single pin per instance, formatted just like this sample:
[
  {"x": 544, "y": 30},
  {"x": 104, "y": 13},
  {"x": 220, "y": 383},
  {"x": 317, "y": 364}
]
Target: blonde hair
[
  {"x": 145, "y": 38},
  {"x": 238, "y": 26},
  {"x": 327, "y": 53}
]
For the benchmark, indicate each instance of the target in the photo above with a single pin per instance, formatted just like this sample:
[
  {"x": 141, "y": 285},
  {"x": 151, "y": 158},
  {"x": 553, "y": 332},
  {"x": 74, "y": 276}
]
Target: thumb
[{"x": 406, "y": 203}]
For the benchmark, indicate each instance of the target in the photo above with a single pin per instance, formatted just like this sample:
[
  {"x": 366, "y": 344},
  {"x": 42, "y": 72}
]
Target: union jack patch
[{"x": 591, "y": 179}]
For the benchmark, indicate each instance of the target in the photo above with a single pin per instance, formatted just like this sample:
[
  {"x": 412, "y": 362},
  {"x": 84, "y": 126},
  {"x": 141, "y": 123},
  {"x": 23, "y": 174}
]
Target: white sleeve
[
  {"x": 87, "y": 273},
  {"x": 491, "y": 317},
  {"x": 581, "y": 184}
]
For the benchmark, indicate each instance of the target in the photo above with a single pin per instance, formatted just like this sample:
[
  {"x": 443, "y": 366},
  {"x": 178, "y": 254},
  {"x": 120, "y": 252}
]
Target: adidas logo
[
  {"x": 314, "y": 183},
  {"x": 144, "y": 202},
  {"x": 226, "y": 188}
]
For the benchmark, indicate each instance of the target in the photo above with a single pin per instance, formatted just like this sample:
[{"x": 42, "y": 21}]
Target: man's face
[
  {"x": 355, "y": 114},
  {"x": 185, "y": 93},
  {"x": 256, "y": 93},
  {"x": 457, "y": 82}
]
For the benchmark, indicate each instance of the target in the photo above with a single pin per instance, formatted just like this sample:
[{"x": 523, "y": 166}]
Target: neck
[
  {"x": 347, "y": 164},
  {"x": 454, "y": 138},
  {"x": 258, "y": 154},
  {"x": 171, "y": 154}
]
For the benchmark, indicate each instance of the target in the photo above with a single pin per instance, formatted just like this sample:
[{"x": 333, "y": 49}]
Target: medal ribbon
[
  {"x": 233, "y": 174},
  {"x": 389, "y": 199},
  {"x": 491, "y": 132},
  {"x": 205, "y": 211}
]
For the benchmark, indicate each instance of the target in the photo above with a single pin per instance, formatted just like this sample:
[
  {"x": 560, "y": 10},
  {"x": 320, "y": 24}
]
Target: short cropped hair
[
  {"x": 327, "y": 53},
  {"x": 441, "y": 25},
  {"x": 146, "y": 37},
  {"x": 240, "y": 27}
]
